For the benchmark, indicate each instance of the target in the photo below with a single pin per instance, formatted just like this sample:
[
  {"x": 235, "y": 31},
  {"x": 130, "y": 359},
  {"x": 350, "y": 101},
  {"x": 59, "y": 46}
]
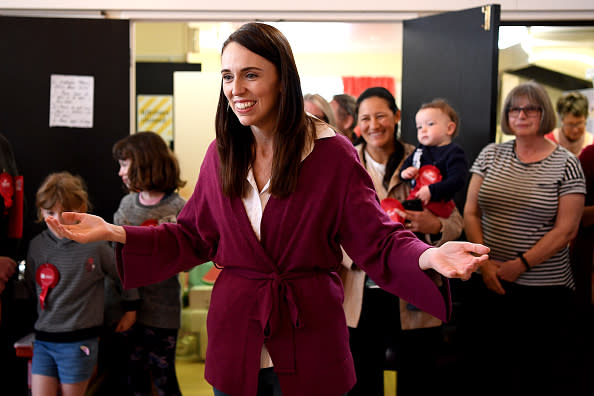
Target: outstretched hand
[
  {"x": 7, "y": 268},
  {"x": 84, "y": 228},
  {"x": 455, "y": 259}
]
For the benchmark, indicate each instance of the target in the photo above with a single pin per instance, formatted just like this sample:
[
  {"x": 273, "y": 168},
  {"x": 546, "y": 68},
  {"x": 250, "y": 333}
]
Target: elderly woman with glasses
[
  {"x": 573, "y": 113},
  {"x": 525, "y": 200}
]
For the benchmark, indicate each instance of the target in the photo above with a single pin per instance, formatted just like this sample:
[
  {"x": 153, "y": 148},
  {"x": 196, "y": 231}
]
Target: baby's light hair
[{"x": 445, "y": 107}]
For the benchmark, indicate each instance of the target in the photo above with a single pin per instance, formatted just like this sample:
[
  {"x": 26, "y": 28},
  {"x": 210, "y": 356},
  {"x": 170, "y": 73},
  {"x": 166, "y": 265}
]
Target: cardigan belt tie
[{"x": 278, "y": 304}]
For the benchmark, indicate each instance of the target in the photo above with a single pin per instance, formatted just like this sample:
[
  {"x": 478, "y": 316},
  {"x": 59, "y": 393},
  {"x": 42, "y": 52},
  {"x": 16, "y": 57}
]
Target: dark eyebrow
[{"x": 244, "y": 69}]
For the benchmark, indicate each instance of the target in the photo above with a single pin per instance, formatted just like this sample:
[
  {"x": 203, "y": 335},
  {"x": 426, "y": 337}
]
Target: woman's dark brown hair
[
  {"x": 153, "y": 165},
  {"x": 235, "y": 142},
  {"x": 7, "y": 161},
  {"x": 396, "y": 157}
]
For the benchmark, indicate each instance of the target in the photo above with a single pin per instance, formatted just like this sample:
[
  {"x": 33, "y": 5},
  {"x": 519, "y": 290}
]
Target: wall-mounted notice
[
  {"x": 155, "y": 113},
  {"x": 71, "y": 101}
]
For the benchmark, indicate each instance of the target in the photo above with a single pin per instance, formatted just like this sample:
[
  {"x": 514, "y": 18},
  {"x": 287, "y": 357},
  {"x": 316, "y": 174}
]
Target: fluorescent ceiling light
[{"x": 512, "y": 35}]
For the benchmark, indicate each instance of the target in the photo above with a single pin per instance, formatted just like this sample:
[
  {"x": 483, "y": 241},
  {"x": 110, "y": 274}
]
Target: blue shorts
[{"x": 69, "y": 362}]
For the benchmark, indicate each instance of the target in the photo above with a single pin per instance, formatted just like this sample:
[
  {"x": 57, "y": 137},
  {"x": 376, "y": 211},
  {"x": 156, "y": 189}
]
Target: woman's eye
[
  {"x": 251, "y": 76},
  {"x": 227, "y": 77}
]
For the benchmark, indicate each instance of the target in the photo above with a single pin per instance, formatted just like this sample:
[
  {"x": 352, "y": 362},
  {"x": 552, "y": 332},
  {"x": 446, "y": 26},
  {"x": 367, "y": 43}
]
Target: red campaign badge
[
  {"x": 150, "y": 223},
  {"x": 47, "y": 276},
  {"x": 6, "y": 190},
  {"x": 394, "y": 209},
  {"x": 428, "y": 174}
]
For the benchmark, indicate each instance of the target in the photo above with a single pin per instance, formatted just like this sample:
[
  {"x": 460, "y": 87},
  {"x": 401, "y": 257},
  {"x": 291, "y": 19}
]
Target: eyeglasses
[
  {"x": 574, "y": 125},
  {"x": 529, "y": 111}
]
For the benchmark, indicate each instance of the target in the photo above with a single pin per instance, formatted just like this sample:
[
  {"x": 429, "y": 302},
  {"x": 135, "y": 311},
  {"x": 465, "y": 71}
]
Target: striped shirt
[
  {"x": 73, "y": 308},
  {"x": 519, "y": 204}
]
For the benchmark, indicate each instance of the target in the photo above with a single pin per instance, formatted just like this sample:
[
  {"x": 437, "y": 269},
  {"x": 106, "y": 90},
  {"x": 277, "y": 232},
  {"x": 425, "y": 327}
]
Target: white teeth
[{"x": 244, "y": 105}]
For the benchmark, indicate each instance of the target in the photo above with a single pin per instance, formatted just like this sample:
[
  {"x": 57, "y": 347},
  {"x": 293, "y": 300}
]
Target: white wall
[{"x": 196, "y": 96}]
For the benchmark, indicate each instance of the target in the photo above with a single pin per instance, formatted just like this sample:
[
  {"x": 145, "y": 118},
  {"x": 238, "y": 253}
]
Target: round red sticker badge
[
  {"x": 47, "y": 276},
  {"x": 394, "y": 209},
  {"x": 6, "y": 190},
  {"x": 428, "y": 174}
]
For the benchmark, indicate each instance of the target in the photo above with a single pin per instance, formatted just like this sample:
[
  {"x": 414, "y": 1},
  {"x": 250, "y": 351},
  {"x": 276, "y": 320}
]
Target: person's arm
[
  {"x": 130, "y": 298},
  {"x": 437, "y": 230},
  {"x": 472, "y": 211},
  {"x": 375, "y": 243},
  {"x": 126, "y": 322},
  {"x": 7, "y": 268},
  {"x": 586, "y": 158},
  {"x": 588, "y": 216},
  {"x": 474, "y": 232},
  {"x": 409, "y": 173},
  {"x": 86, "y": 228},
  {"x": 454, "y": 259},
  {"x": 565, "y": 229}
]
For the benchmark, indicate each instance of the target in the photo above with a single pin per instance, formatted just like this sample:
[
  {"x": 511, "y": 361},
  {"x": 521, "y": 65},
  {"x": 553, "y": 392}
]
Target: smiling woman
[
  {"x": 269, "y": 207},
  {"x": 251, "y": 91}
]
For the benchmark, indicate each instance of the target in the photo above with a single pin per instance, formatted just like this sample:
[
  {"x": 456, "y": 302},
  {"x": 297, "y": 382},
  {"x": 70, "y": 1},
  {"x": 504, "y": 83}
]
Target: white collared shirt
[{"x": 255, "y": 201}]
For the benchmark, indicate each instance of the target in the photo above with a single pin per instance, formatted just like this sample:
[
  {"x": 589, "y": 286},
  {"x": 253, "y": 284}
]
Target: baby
[{"x": 438, "y": 168}]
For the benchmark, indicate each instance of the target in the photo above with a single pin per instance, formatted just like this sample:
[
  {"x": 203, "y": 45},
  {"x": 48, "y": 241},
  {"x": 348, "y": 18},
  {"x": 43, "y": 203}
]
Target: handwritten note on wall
[{"x": 71, "y": 101}]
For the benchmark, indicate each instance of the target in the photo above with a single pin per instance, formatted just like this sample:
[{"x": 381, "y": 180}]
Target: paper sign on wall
[
  {"x": 71, "y": 101},
  {"x": 155, "y": 113}
]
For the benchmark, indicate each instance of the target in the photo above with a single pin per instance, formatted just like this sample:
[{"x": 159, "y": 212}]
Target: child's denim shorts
[{"x": 70, "y": 362}]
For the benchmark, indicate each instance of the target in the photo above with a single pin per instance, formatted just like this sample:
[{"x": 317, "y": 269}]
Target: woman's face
[
  {"x": 377, "y": 123},
  {"x": 524, "y": 117},
  {"x": 573, "y": 127},
  {"x": 252, "y": 86}
]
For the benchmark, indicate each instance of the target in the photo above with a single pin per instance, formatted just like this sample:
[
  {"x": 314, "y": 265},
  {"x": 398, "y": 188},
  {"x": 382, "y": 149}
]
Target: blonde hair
[
  {"x": 323, "y": 105},
  {"x": 62, "y": 188}
]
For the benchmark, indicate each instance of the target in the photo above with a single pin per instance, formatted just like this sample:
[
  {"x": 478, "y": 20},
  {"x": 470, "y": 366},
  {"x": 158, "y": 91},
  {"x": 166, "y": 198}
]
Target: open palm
[
  {"x": 456, "y": 259},
  {"x": 83, "y": 227}
]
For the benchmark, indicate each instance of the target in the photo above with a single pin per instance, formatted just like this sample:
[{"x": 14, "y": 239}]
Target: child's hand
[
  {"x": 409, "y": 173},
  {"x": 127, "y": 320},
  {"x": 424, "y": 195}
]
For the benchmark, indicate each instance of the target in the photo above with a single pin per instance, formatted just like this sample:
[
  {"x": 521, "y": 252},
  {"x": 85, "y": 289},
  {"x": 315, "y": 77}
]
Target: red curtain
[{"x": 355, "y": 85}]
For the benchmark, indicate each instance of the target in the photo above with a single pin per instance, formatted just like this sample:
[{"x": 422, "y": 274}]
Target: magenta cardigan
[{"x": 283, "y": 290}]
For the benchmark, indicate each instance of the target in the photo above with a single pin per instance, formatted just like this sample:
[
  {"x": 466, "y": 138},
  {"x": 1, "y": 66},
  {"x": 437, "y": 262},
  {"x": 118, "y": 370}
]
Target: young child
[
  {"x": 438, "y": 165},
  {"x": 151, "y": 173},
  {"x": 68, "y": 280}
]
